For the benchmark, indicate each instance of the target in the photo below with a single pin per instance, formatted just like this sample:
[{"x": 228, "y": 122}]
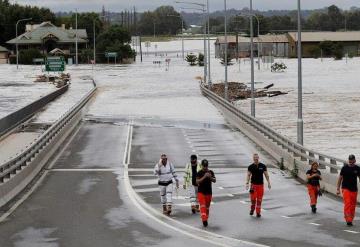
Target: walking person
[
  {"x": 165, "y": 171},
  {"x": 348, "y": 181},
  {"x": 204, "y": 179},
  {"x": 191, "y": 170},
  {"x": 256, "y": 172},
  {"x": 313, "y": 184}
]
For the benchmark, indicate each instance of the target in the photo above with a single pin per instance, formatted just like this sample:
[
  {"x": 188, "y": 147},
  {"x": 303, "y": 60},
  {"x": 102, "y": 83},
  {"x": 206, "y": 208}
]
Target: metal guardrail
[
  {"x": 13, "y": 119},
  {"x": 16, "y": 164},
  {"x": 296, "y": 149}
]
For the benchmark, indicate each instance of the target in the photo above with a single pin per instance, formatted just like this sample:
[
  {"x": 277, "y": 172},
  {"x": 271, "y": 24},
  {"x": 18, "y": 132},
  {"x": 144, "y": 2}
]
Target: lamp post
[
  {"x": 258, "y": 34},
  {"x": 226, "y": 54},
  {"x": 300, "y": 123},
  {"x": 76, "y": 39},
  {"x": 209, "y": 47},
  {"x": 203, "y": 10},
  {"x": 154, "y": 30},
  {"x": 94, "y": 34},
  {"x": 252, "y": 62},
  {"x": 17, "y": 42},
  {"x": 182, "y": 34}
]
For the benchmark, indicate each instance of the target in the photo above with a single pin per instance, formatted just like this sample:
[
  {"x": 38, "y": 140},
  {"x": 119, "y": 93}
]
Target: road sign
[
  {"x": 111, "y": 54},
  {"x": 55, "y": 64}
]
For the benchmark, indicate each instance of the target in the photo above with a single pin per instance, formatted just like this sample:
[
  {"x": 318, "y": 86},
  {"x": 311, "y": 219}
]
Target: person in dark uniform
[
  {"x": 204, "y": 179},
  {"x": 256, "y": 172},
  {"x": 313, "y": 184},
  {"x": 348, "y": 180}
]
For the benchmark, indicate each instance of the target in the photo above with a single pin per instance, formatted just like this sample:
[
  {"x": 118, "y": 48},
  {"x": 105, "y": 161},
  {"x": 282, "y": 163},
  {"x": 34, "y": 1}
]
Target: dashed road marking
[
  {"x": 220, "y": 188},
  {"x": 286, "y": 217},
  {"x": 315, "y": 224},
  {"x": 231, "y": 195},
  {"x": 354, "y": 232}
]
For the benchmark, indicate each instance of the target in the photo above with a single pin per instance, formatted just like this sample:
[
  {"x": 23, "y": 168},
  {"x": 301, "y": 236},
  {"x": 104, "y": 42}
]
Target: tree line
[{"x": 109, "y": 38}]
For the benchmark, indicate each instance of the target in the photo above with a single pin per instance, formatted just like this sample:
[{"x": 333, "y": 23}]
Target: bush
[
  {"x": 278, "y": 67},
  {"x": 26, "y": 56},
  {"x": 191, "y": 59}
]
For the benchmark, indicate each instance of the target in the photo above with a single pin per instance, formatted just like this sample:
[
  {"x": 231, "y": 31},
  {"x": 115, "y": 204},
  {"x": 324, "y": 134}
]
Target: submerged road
[{"x": 101, "y": 191}]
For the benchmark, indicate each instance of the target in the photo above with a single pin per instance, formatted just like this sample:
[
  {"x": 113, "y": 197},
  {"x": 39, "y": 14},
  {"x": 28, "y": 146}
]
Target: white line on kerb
[{"x": 209, "y": 237}]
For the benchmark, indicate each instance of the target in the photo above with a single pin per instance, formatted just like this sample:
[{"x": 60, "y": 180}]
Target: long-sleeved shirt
[{"x": 165, "y": 173}]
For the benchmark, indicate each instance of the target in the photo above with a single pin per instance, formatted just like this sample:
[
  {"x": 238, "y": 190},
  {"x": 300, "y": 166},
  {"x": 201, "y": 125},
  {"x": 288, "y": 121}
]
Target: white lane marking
[
  {"x": 230, "y": 195},
  {"x": 157, "y": 216},
  {"x": 243, "y": 202},
  {"x": 220, "y": 188},
  {"x": 354, "y": 232},
  {"x": 193, "y": 150},
  {"x": 315, "y": 224},
  {"x": 85, "y": 170},
  {"x": 37, "y": 184},
  {"x": 286, "y": 217}
]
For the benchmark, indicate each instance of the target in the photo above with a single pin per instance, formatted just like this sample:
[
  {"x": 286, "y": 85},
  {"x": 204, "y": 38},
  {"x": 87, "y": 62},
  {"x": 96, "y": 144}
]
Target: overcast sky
[{"x": 141, "y": 5}]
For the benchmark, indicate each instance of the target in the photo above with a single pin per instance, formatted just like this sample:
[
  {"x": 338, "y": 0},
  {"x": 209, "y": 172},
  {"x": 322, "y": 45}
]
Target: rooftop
[
  {"x": 330, "y": 36},
  {"x": 46, "y": 30}
]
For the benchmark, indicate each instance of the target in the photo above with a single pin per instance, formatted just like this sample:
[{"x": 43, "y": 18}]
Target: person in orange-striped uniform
[
  {"x": 204, "y": 179},
  {"x": 256, "y": 172},
  {"x": 348, "y": 180},
  {"x": 313, "y": 185}
]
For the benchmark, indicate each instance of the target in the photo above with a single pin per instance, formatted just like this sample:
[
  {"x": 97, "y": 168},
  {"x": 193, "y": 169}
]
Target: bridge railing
[
  {"x": 307, "y": 155},
  {"x": 16, "y": 173}
]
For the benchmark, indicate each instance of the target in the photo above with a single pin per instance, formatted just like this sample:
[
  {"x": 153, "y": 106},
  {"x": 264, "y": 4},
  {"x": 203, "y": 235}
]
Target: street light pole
[
  {"x": 205, "y": 20},
  {"x": 226, "y": 55},
  {"x": 94, "y": 62},
  {"x": 76, "y": 39},
  {"x": 17, "y": 42},
  {"x": 154, "y": 31},
  {"x": 252, "y": 61},
  {"x": 209, "y": 47},
  {"x": 182, "y": 39},
  {"x": 300, "y": 123},
  {"x": 182, "y": 34}
]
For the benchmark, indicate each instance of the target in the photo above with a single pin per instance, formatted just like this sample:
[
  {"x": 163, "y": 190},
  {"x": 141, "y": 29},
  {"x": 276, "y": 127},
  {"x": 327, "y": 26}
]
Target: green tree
[
  {"x": 115, "y": 39},
  {"x": 165, "y": 20}
]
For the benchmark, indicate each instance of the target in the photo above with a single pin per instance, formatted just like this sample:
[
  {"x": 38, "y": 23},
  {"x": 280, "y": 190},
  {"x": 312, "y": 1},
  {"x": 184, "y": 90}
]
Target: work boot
[
  {"x": 349, "y": 223},
  {"x": 313, "y": 209},
  {"x": 193, "y": 209},
  {"x": 168, "y": 209},
  {"x": 205, "y": 223},
  {"x": 251, "y": 212},
  {"x": 165, "y": 209},
  {"x": 197, "y": 208},
  {"x": 258, "y": 215}
]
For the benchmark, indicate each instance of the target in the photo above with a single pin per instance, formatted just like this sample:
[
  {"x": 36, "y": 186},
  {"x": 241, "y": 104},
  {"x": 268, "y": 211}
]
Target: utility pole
[
  {"x": 76, "y": 39},
  {"x": 300, "y": 122},
  {"x": 209, "y": 47},
  {"x": 226, "y": 55},
  {"x": 252, "y": 61}
]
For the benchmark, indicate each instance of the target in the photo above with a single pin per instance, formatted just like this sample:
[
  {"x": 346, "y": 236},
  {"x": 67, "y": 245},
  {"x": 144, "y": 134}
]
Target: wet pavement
[{"x": 91, "y": 197}]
